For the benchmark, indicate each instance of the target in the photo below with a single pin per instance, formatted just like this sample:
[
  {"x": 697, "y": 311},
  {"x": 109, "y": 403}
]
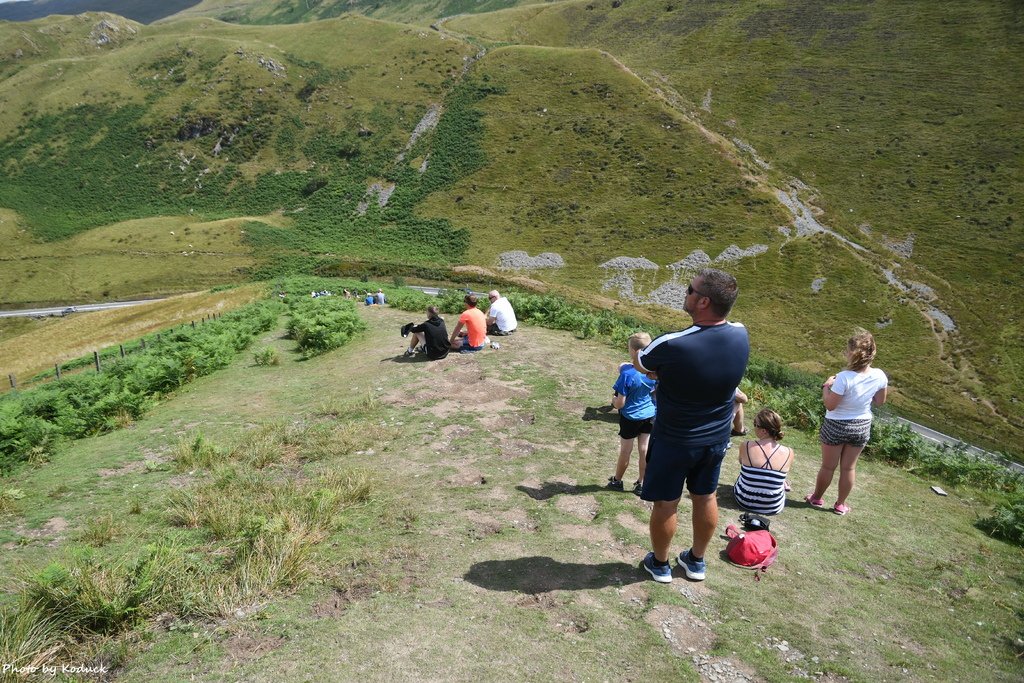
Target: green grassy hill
[{"x": 646, "y": 130}]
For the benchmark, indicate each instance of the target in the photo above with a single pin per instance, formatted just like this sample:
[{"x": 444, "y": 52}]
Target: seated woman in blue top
[
  {"x": 632, "y": 398},
  {"x": 764, "y": 465}
]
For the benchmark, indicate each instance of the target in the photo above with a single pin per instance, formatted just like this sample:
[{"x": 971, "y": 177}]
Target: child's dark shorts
[{"x": 630, "y": 429}]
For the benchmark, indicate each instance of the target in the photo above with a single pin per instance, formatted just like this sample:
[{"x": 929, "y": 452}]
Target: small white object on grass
[{"x": 939, "y": 491}]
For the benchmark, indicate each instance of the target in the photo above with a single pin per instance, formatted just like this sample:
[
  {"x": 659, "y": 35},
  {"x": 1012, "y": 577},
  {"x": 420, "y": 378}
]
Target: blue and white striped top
[{"x": 762, "y": 489}]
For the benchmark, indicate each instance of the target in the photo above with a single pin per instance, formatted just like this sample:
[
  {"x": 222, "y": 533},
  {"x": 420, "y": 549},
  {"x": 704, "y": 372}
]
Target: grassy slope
[
  {"x": 585, "y": 161},
  {"x": 288, "y": 122},
  {"x": 100, "y": 135},
  {"x": 145, "y": 257},
  {"x": 293, "y": 11},
  {"x": 532, "y": 574},
  {"x": 39, "y": 345},
  {"x": 898, "y": 115}
]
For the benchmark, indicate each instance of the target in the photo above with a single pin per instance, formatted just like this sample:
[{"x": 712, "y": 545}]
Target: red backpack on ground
[{"x": 756, "y": 550}]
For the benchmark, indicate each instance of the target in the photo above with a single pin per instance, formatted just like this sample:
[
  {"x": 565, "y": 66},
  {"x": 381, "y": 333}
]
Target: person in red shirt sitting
[{"x": 471, "y": 333}]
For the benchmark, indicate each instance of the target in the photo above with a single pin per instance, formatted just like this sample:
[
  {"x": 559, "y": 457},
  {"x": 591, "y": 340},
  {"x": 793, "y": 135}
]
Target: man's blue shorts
[
  {"x": 466, "y": 348},
  {"x": 670, "y": 465}
]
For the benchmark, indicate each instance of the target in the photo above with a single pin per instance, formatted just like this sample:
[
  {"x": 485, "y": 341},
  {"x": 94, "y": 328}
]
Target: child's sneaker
[
  {"x": 695, "y": 571},
  {"x": 614, "y": 484},
  {"x": 659, "y": 574}
]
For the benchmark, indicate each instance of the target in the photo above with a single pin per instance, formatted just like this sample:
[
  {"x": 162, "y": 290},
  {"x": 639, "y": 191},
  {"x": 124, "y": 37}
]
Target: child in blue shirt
[{"x": 633, "y": 399}]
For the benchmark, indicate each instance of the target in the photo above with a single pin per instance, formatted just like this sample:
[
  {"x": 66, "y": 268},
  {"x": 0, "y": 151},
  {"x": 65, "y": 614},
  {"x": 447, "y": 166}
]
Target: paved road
[{"x": 83, "y": 308}]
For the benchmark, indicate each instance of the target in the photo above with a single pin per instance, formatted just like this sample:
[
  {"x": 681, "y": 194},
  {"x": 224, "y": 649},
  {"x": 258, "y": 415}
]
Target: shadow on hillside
[
  {"x": 543, "y": 574},
  {"x": 550, "y": 489},
  {"x": 402, "y": 358},
  {"x": 601, "y": 413}
]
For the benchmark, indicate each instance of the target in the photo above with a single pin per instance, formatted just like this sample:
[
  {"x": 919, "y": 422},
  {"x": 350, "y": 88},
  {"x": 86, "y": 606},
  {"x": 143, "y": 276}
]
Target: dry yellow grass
[{"x": 57, "y": 341}]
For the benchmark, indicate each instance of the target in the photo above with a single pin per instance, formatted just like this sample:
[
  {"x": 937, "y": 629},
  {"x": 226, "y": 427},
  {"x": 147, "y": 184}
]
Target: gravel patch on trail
[
  {"x": 521, "y": 259},
  {"x": 942, "y": 319},
  {"x": 671, "y": 294},
  {"x": 428, "y": 122},
  {"x": 623, "y": 284},
  {"x": 381, "y": 192},
  {"x": 894, "y": 281},
  {"x": 749, "y": 149},
  {"x": 705, "y": 104},
  {"x": 803, "y": 219},
  {"x": 922, "y": 290},
  {"x": 918, "y": 289},
  {"x": 630, "y": 263},
  {"x": 734, "y": 253},
  {"x": 697, "y": 260},
  {"x": 904, "y": 248}
]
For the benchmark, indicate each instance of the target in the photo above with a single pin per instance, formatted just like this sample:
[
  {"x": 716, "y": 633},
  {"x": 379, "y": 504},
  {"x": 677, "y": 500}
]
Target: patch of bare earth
[
  {"x": 591, "y": 533},
  {"x": 519, "y": 520},
  {"x": 690, "y": 637},
  {"x": 516, "y": 448},
  {"x": 449, "y": 434},
  {"x": 631, "y": 523},
  {"x": 583, "y": 507},
  {"x": 128, "y": 468},
  {"x": 242, "y": 647},
  {"x": 482, "y": 524},
  {"x": 53, "y": 529},
  {"x": 337, "y": 603},
  {"x": 466, "y": 476},
  {"x": 634, "y": 594},
  {"x": 458, "y": 388}
]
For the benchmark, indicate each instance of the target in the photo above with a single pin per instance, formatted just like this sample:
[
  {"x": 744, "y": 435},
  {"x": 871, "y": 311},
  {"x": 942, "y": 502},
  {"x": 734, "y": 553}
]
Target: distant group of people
[
  {"x": 679, "y": 399},
  {"x": 470, "y": 334},
  {"x": 369, "y": 298}
]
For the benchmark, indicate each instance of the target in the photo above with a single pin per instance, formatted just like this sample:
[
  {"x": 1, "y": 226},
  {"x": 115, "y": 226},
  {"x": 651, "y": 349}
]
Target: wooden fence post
[
  {"x": 96, "y": 359},
  {"x": 121, "y": 346},
  {"x": 14, "y": 382},
  {"x": 56, "y": 366},
  {"x": 193, "y": 324},
  {"x": 142, "y": 342}
]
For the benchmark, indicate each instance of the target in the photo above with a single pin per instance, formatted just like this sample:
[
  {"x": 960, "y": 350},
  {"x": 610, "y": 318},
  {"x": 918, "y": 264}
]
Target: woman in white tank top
[{"x": 848, "y": 397}]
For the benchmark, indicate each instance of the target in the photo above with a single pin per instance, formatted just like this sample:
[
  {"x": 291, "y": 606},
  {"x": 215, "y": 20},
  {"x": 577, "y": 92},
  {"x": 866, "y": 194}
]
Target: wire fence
[{"x": 102, "y": 357}]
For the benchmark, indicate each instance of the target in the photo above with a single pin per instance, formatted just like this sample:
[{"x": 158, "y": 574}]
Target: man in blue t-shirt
[
  {"x": 636, "y": 415},
  {"x": 698, "y": 370}
]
